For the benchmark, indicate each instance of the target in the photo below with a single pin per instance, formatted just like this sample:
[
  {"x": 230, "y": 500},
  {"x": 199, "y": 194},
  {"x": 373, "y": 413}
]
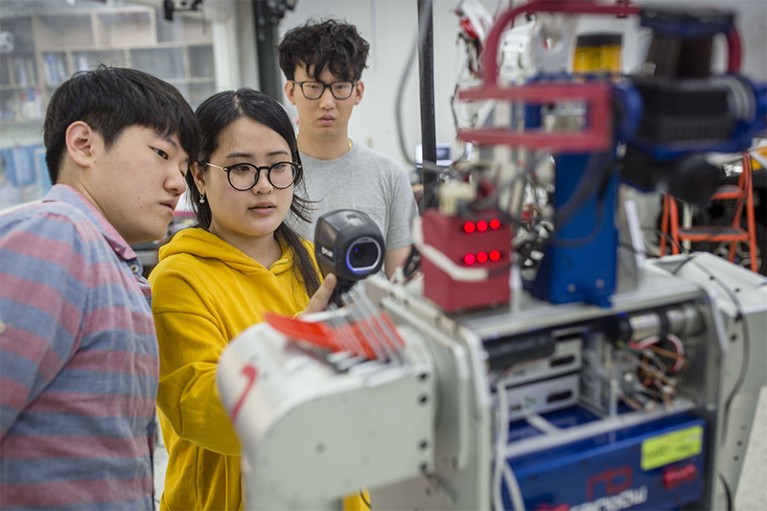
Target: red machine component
[
  {"x": 675, "y": 475},
  {"x": 482, "y": 243},
  {"x": 596, "y": 137}
]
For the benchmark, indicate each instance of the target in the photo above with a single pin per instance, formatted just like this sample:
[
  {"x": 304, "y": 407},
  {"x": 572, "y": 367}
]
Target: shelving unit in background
[
  {"x": 43, "y": 42},
  {"x": 51, "y": 45}
]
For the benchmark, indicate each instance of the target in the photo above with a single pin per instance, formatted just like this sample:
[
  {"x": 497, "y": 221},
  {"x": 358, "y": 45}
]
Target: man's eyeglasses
[
  {"x": 315, "y": 90},
  {"x": 244, "y": 176}
]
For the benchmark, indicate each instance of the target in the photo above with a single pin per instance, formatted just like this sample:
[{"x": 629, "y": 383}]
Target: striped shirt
[{"x": 78, "y": 361}]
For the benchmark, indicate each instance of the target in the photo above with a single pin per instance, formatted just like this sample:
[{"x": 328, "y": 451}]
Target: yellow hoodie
[{"x": 205, "y": 292}]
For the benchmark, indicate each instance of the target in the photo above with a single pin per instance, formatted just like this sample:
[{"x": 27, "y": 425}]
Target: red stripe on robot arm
[
  {"x": 296, "y": 329},
  {"x": 251, "y": 373}
]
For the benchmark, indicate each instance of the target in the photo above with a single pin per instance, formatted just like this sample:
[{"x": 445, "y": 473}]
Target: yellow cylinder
[{"x": 598, "y": 53}]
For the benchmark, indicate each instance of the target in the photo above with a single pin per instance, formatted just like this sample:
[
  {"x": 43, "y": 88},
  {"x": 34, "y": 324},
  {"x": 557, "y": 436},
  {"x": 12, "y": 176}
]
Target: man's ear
[
  {"x": 359, "y": 90},
  {"x": 81, "y": 142},
  {"x": 290, "y": 91}
]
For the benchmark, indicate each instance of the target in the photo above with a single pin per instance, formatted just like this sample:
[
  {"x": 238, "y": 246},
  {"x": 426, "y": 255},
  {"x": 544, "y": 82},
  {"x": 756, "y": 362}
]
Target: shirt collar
[{"x": 65, "y": 193}]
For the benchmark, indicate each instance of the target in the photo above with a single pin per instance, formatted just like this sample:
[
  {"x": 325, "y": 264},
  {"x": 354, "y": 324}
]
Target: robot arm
[{"x": 314, "y": 428}]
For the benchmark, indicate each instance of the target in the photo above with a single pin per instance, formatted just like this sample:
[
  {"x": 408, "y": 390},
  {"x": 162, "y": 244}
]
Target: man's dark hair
[
  {"x": 328, "y": 44},
  {"x": 110, "y": 99}
]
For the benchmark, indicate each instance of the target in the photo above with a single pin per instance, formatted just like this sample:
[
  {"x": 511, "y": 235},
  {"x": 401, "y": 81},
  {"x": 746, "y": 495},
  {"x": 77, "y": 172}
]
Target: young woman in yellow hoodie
[{"x": 218, "y": 278}]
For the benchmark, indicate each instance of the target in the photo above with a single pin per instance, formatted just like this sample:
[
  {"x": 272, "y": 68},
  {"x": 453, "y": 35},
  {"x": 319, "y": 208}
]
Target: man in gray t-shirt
[{"x": 323, "y": 63}]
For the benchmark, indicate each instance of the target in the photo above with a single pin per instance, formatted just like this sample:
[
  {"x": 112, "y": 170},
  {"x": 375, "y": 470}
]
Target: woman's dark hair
[
  {"x": 219, "y": 111},
  {"x": 110, "y": 99},
  {"x": 331, "y": 44}
]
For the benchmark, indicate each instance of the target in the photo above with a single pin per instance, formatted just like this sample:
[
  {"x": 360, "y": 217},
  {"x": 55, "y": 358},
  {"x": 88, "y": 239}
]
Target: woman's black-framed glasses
[
  {"x": 315, "y": 89},
  {"x": 244, "y": 176}
]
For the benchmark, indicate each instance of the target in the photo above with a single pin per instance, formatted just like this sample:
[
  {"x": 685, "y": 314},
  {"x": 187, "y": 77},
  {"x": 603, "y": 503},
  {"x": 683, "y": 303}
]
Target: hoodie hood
[{"x": 200, "y": 243}]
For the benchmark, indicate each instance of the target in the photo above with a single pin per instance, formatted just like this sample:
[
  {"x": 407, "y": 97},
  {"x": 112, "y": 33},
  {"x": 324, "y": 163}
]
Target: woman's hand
[{"x": 321, "y": 297}]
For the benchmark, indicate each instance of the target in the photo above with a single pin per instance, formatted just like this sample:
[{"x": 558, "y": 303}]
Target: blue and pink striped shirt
[{"x": 78, "y": 361}]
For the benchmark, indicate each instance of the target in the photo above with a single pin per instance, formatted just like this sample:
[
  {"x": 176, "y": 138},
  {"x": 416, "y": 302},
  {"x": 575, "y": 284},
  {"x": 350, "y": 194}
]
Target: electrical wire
[
  {"x": 365, "y": 500},
  {"x": 596, "y": 230},
  {"x": 651, "y": 343},
  {"x": 597, "y": 170},
  {"x": 654, "y": 374},
  {"x": 425, "y": 21},
  {"x": 727, "y": 491},
  {"x": 690, "y": 257},
  {"x": 399, "y": 101},
  {"x": 585, "y": 187},
  {"x": 502, "y": 469},
  {"x": 668, "y": 238},
  {"x": 512, "y": 485},
  {"x": 502, "y": 420},
  {"x": 411, "y": 265},
  {"x": 540, "y": 423},
  {"x": 634, "y": 250}
]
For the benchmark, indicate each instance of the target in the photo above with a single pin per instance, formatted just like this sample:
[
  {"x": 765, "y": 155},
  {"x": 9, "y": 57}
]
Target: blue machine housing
[
  {"x": 606, "y": 471},
  {"x": 581, "y": 262}
]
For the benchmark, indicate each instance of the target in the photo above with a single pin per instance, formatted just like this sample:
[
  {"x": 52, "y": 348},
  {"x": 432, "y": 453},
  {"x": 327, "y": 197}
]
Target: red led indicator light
[
  {"x": 469, "y": 227},
  {"x": 482, "y": 257},
  {"x": 481, "y": 226},
  {"x": 495, "y": 224}
]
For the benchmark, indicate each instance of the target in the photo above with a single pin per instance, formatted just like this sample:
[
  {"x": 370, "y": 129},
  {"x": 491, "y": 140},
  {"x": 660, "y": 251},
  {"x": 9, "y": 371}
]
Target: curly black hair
[{"x": 331, "y": 44}]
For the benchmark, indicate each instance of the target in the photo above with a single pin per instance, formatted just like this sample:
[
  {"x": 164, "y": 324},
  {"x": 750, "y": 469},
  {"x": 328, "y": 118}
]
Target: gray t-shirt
[{"x": 363, "y": 180}]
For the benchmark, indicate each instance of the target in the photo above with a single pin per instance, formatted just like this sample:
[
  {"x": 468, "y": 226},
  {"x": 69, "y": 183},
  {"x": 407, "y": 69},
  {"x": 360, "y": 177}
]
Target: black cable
[
  {"x": 398, "y": 106},
  {"x": 727, "y": 492},
  {"x": 625, "y": 244},
  {"x": 430, "y": 186},
  {"x": 585, "y": 187},
  {"x": 412, "y": 263},
  {"x": 668, "y": 238},
  {"x": 582, "y": 193},
  {"x": 686, "y": 260},
  {"x": 646, "y": 253},
  {"x": 588, "y": 238},
  {"x": 365, "y": 500},
  {"x": 400, "y": 97},
  {"x": 453, "y": 101}
]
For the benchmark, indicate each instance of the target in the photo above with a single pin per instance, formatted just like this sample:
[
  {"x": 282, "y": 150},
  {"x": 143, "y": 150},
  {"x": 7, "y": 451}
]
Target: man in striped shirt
[{"x": 78, "y": 352}]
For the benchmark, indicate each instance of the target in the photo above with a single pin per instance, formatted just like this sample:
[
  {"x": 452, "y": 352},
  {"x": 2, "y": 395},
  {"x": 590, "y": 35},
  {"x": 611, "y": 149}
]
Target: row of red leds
[
  {"x": 482, "y": 257},
  {"x": 470, "y": 227}
]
